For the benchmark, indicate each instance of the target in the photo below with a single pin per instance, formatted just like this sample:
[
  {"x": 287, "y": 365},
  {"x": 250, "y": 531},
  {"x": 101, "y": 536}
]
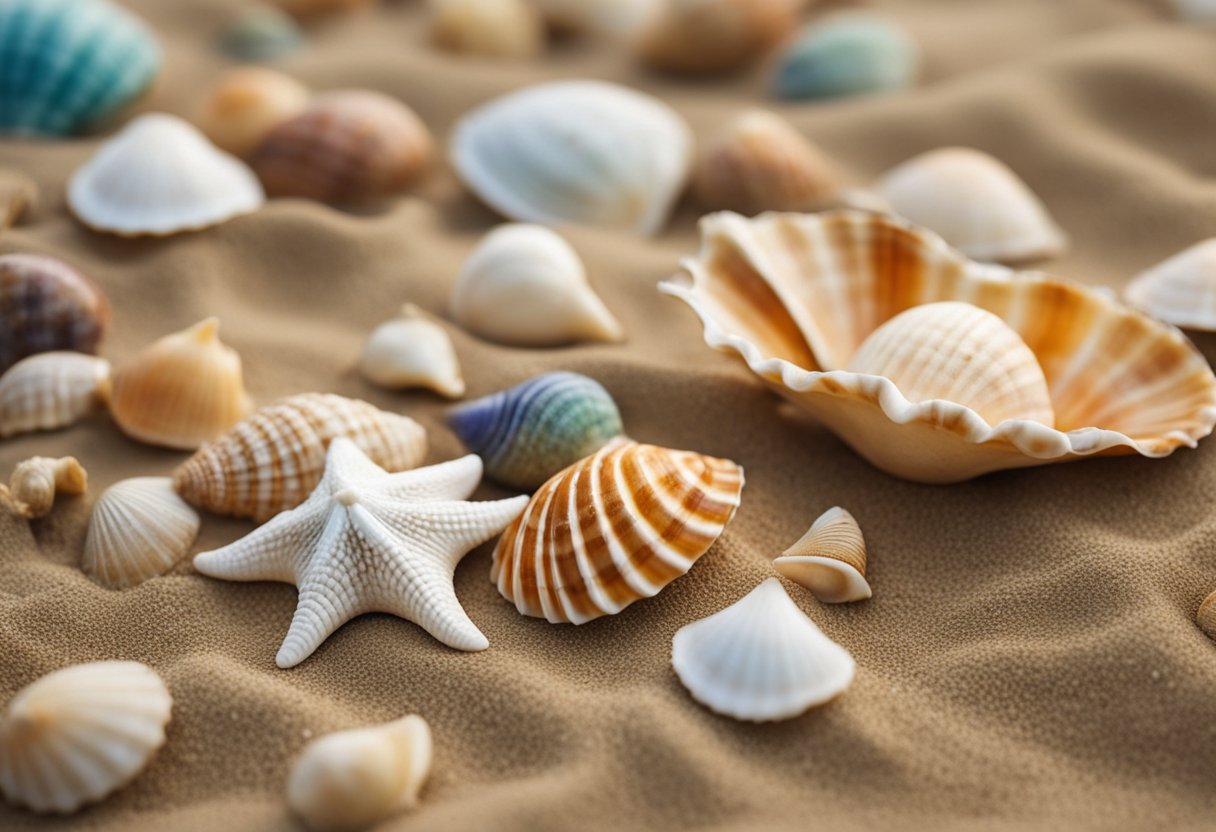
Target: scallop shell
[
  {"x": 36, "y": 482},
  {"x": 261, "y": 33},
  {"x": 305, "y": 9},
  {"x": 161, "y": 176},
  {"x": 47, "y": 305},
  {"x": 1205, "y": 616},
  {"x": 613, "y": 18},
  {"x": 711, "y": 36},
  {"x": 976, "y": 203},
  {"x": 613, "y": 528},
  {"x": 524, "y": 285},
  {"x": 352, "y": 780},
  {"x": 770, "y": 290},
  {"x": 246, "y": 103},
  {"x": 760, "y": 659},
  {"x": 182, "y": 390},
  {"x": 51, "y": 390},
  {"x": 494, "y": 28},
  {"x": 272, "y": 460},
  {"x": 345, "y": 147},
  {"x": 69, "y": 64},
  {"x": 532, "y": 431},
  {"x": 584, "y": 152},
  {"x": 18, "y": 196},
  {"x": 412, "y": 351},
  {"x": 139, "y": 529},
  {"x": 80, "y": 733},
  {"x": 1181, "y": 290},
  {"x": 854, "y": 53},
  {"x": 830, "y": 559}
]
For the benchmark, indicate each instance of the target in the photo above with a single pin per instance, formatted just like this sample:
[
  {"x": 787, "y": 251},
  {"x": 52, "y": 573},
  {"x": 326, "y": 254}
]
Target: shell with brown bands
[{"x": 45, "y": 305}]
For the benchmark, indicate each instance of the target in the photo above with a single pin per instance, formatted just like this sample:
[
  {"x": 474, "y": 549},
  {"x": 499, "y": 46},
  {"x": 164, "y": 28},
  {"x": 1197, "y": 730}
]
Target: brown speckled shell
[{"x": 45, "y": 305}]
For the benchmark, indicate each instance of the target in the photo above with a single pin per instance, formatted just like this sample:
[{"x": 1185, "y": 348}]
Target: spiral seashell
[
  {"x": 80, "y": 733},
  {"x": 613, "y": 528},
  {"x": 18, "y": 196},
  {"x": 352, "y": 780},
  {"x": 69, "y": 64},
  {"x": 345, "y": 147},
  {"x": 51, "y": 390},
  {"x": 1205, "y": 616},
  {"x": 1180, "y": 290},
  {"x": 181, "y": 391},
  {"x": 524, "y": 285},
  {"x": 493, "y": 28},
  {"x": 532, "y": 431},
  {"x": 36, "y": 482},
  {"x": 307, "y": 9},
  {"x": 161, "y": 176},
  {"x": 583, "y": 152},
  {"x": 760, "y": 659},
  {"x": 47, "y": 305},
  {"x": 260, "y": 33},
  {"x": 246, "y": 103},
  {"x": 139, "y": 529},
  {"x": 830, "y": 559},
  {"x": 272, "y": 460},
  {"x": 853, "y": 53},
  {"x": 612, "y": 18},
  {"x": 712, "y": 36},
  {"x": 412, "y": 351}
]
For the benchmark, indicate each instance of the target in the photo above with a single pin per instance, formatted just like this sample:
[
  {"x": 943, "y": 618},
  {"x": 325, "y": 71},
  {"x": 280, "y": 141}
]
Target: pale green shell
[{"x": 850, "y": 54}]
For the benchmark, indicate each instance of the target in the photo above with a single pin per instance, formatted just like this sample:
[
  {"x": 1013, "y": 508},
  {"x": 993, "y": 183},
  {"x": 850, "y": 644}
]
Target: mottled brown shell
[{"x": 45, "y": 305}]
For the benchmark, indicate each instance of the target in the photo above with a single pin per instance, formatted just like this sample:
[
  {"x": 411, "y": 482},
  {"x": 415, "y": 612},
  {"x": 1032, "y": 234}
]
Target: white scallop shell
[
  {"x": 51, "y": 390},
  {"x": 139, "y": 529},
  {"x": 76, "y": 735},
  {"x": 584, "y": 152},
  {"x": 412, "y": 351},
  {"x": 760, "y": 659},
  {"x": 1180, "y": 290},
  {"x": 160, "y": 176}
]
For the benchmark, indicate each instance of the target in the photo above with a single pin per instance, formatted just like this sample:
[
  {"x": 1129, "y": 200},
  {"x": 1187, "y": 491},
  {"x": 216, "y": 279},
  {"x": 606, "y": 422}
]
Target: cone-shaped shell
[
  {"x": 51, "y": 390},
  {"x": 36, "y": 482},
  {"x": 78, "y": 734},
  {"x": 412, "y": 351},
  {"x": 854, "y": 53},
  {"x": 246, "y": 103},
  {"x": 272, "y": 460},
  {"x": 582, "y": 152},
  {"x": 1181, "y": 290},
  {"x": 351, "y": 780},
  {"x": 524, "y": 285},
  {"x": 760, "y": 659},
  {"x": 976, "y": 203},
  {"x": 138, "y": 530},
  {"x": 69, "y": 64},
  {"x": 493, "y": 28},
  {"x": 181, "y": 391},
  {"x": 614, "y": 528},
  {"x": 770, "y": 290},
  {"x": 710, "y": 36},
  {"x": 259, "y": 33},
  {"x": 830, "y": 559},
  {"x": 1205, "y": 617},
  {"x": 46, "y": 305}
]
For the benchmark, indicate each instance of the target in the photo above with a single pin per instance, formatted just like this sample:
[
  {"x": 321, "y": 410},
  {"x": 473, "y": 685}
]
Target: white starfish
[{"x": 370, "y": 541}]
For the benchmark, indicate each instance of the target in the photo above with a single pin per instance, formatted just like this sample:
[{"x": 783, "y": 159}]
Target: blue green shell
[
  {"x": 852, "y": 54},
  {"x": 261, "y": 33},
  {"x": 69, "y": 63}
]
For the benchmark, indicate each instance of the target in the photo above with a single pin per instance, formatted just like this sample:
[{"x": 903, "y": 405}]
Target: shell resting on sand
[
  {"x": 830, "y": 559},
  {"x": 51, "y": 390},
  {"x": 412, "y": 351},
  {"x": 36, "y": 482},
  {"x": 1180, "y": 290},
  {"x": 47, "y": 305},
  {"x": 139, "y": 529}
]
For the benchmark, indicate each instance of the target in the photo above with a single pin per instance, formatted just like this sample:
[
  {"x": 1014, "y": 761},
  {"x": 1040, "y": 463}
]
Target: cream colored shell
[
  {"x": 412, "y": 351},
  {"x": 1205, "y": 616},
  {"x": 245, "y": 103},
  {"x": 139, "y": 529},
  {"x": 36, "y": 482},
  {"x": 1181, "y": 290},
  {"x": 492, "y": 28},
  {"x": 830, "y": 559},
  {"x": 612, "y": 18},
  {"x": 51, "y": 390}
]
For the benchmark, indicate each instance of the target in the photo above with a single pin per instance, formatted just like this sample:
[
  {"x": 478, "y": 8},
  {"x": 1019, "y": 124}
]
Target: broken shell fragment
[
  {"x": 830, "y": 559},
  {"x": 412, "y": 351},
  {"x": 51, "y": 390}
]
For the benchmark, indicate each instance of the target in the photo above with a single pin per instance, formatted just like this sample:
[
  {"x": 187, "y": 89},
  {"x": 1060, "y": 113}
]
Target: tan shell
[
  {"x": 139, "y": 529},
  {"x": 1180, "y": 290},
  {"x": 412, "y": 351},
  {"x": 46, "y": 305},
  {"x": 182, "y": 390},
  {"x": 830, "y": 559},
  {"x": 710, "y": 36},
  {"x": 614, "y": 528},
  {"x": 611, "y": 18},
  {"x": 51, "y": 390},
  {"x": 305, "y": 9},
  {"x": 246, "y": 103},
  {"x": 1205, "y": 617},
  {"x": 494, "y": 28},
  {"x": 18, "y": 196},
  {"x": 272, "y": 460},
  {"x": 36, "y": 482}
]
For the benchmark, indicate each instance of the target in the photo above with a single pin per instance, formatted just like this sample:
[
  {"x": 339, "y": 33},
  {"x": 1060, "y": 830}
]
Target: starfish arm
[
  {"x": 345, "y": 462},
  {"x": 448, "y": 530},
  {"x": 323, "y": 607},
  {"x": 268, "y": 553},
  {"x": 452, "y": 480},
  {"x": 435, "y": 608}
]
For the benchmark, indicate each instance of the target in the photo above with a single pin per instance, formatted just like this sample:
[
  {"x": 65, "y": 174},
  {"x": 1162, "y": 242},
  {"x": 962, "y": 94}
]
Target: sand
[{"x": 1029, "y": 659}]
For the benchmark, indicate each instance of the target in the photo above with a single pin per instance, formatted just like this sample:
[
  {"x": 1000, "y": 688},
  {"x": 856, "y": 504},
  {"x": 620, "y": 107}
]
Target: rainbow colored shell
[{"x": 45, "y": 305}]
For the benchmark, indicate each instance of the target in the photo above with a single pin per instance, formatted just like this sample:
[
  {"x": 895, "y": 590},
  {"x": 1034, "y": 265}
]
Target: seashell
[
  {"x": 611, "y": 18},
  {"x": 1205, "y": 617},
  {"x": 273, "y": 459},
  {"x": 246, "y": 103},
  {"x": 759, "y": 163},
  {"x": 345, "y": 147},
  {"x": 51, "y": 390},
  {"x": 69, "y": 64},
  {"x": 770, "y": 291},
  {"x": 495, "y": 28},
  {"x": 1195, "y": 11},
  {"x": 854, "y": 53},
  {"x": 525, "y": 286},
  {"x": 351, "y": 780},
  {"x": 80, "y": 733},
  {"x": 760, "y": 659},
  {"x": 36, "y": 481},
  {"x": 976, "y": 203},
  {"x": 182, "y": 390},
  {"x": 613, "y": 528},
  {"x": 47, "y": 305},
  {"x": 305, "y": 9},
  {"x": 18, "y": 196},
  {"x": 584, "y": 152},
  {"x": 412, "y": 351},
  {"x": 1180, "y": 290},
  {"x": 260, "y": 33},
  {"x": 139, "y": 529},
  {"x": 161, "y": 176},
  {"x": 532, "y": 431},
  {"x": 711, "y": 36},
  {"x": 830, "y": 559}
]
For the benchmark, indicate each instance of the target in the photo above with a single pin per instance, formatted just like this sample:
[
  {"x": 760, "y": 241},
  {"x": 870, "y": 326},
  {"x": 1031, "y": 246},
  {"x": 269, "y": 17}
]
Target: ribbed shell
[
  {"x": 830, "y": 559},
  {"x": 272, "y": 460},
  {"x": 613, "y": 528},
  {"x": 139, "y": 529},
  {"x": 46, "y": 305},
  {"x": 36, "y": 482},
  {"x": 246, "y": 103},
  {"x": 412, "y": 351},
  {"x": 710, "y": 36},
  {"x": 70, "y": 63},
  {"x": 51, "y": 390},
  {"x": 492, "y": 28},
  {"x": 78, "y": 734},
  {"x": 1180, "y": 290},
  {"x": 853, "y": 53},
  {"x": 260, "y": 33}
]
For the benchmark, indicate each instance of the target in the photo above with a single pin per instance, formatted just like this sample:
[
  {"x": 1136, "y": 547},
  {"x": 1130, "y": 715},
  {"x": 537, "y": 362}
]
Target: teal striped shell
[
  {"x": 850, "y": 54},
  {"x": 69, "y": 63}
]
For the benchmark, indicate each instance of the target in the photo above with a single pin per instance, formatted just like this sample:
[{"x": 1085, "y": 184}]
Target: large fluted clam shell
[{"x": 772, "y": 291}]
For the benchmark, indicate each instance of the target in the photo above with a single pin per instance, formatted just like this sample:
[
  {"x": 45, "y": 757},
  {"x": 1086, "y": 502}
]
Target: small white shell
[
  {"x": 760, "y": 659},
  {"x": 351, "y": 780},
  {"x": 139, "y": 529},
  {"x": 830, "y": 559},
  {"x": 51, "y": 390},
  {"x": 524, "y": 285},
  {"x": 412, "y": 351},
  {"x": 36, "y": 482},
  {"x": 76, "y": 735},
  {"x": 1180, "y": 290}
]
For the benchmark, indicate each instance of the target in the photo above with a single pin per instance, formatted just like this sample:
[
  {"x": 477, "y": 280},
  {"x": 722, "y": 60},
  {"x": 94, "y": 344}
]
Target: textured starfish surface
[{"x": 370, "y": 541}]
